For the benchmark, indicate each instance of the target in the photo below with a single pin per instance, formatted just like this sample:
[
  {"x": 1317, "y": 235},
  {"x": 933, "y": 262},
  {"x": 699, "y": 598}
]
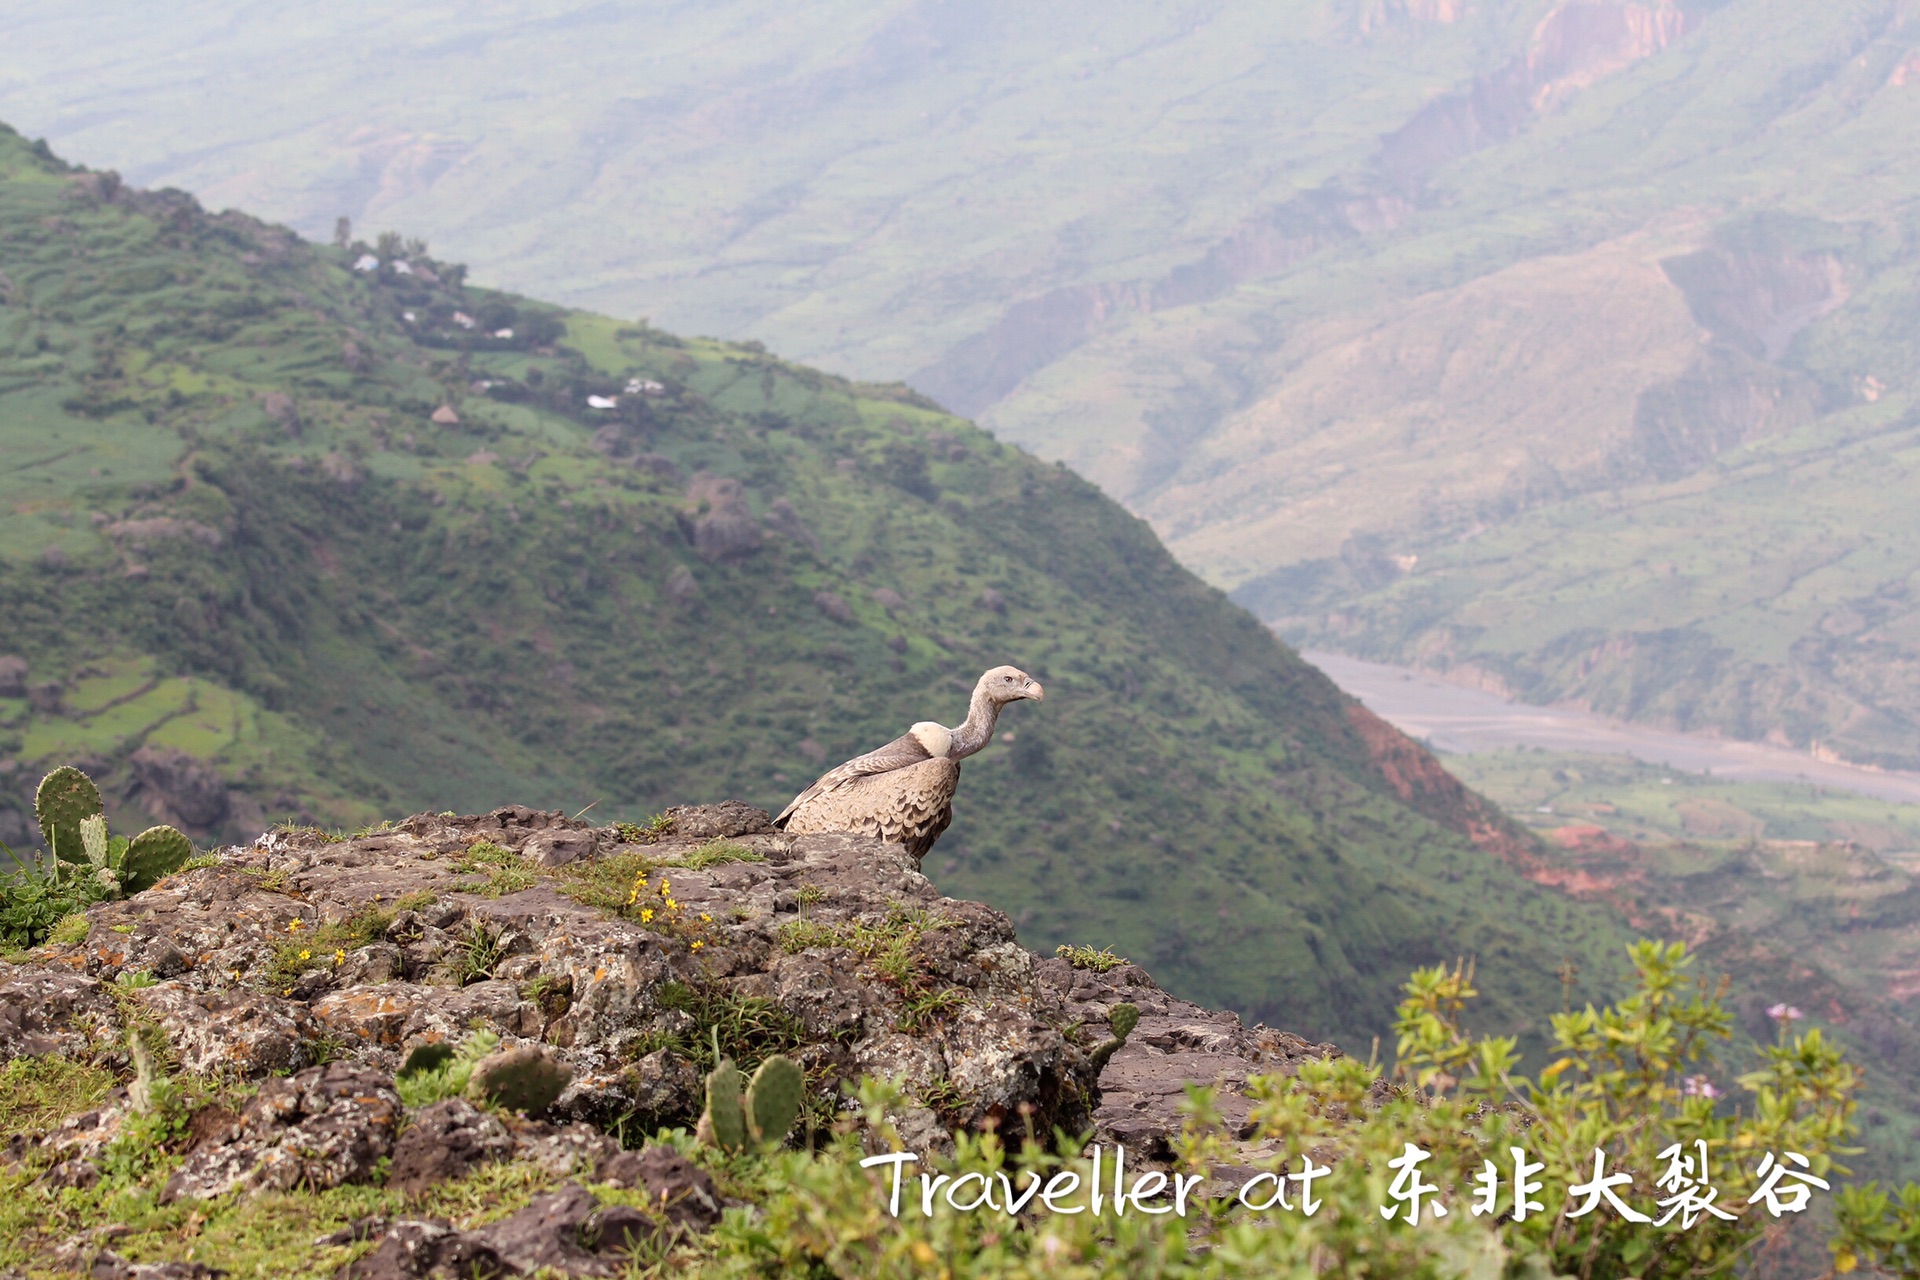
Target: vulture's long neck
[{"x": 982, "y": 713}]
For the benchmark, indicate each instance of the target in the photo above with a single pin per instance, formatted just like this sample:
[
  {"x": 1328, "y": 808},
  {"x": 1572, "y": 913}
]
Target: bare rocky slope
[{"x": 316, "y": 966}]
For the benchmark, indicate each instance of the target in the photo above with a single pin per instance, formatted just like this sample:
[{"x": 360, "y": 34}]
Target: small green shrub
[
  {"x": 759, "y": 1118},
  {"x": 1101, "y": 961},
  {"x": 476, "y": 952},
  {"x": 36, "y": 895},
  {"x": 71, "y": 930},
  {"x": 37, "y": 1093},
  {"x": 714, "y": 854},
  {"x": 73, "y": 821},
  {"x": 605, "y": 883},
  {"x": 505, "y": 871},
  {"x": 436, "y": 1072},
  {"x": 648, "y": 833},
  {"x": 308, "y": 946}
]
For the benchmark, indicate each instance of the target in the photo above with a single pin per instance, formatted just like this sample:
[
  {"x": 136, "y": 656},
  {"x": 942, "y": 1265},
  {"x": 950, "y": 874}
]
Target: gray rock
[
  {"x": 567, "y": 1232},
  {"x": 997, "y": 1043},
  {"x": 446, "y": 1140},
  {"x": 45, "y": 696},
  {"x": 682, "y": 1190},
  {"x": 322, "y": 1127},
  {"x": 718, "y": 520},
  {"x": 46, "y": 1010},
  {"x": 833, "y": 606},
  {"x": 416, "y": 1248},
  {"x": 720, "y": 821},
  {"x": 558, "y": 847}
]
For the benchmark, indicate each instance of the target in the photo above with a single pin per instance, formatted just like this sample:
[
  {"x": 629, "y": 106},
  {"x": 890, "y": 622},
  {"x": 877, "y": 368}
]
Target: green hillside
[
  {"x": 1568, "y": 342},
  {"x": 256, "y": 569}
]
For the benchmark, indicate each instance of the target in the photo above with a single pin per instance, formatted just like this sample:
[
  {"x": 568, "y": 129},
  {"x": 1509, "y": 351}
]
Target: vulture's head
[{"x": 1010, "y": 684}]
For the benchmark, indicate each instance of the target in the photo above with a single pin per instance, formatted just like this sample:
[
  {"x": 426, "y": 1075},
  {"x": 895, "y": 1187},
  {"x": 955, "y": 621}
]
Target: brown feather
[{"x": 909, "y": 806}]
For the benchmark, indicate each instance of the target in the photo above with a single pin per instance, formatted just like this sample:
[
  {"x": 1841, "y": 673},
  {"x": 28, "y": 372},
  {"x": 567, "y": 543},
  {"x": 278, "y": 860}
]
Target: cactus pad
[
  {"x": 724, "y": 1118},
  {"x": 774, "y": 1097},
  {"x": 65, "y": 797},
  {"x": 526, "y": 1079},
  {"x": 1123, "y": 1018},
  {"x": 93, "y": 838},
  {"x": 152, "y": 855}
]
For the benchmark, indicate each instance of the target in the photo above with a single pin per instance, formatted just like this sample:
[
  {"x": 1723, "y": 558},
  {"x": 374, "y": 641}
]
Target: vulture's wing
[
  {"x": 902, "y": 752},
  {"x": 909, "y": 806}
]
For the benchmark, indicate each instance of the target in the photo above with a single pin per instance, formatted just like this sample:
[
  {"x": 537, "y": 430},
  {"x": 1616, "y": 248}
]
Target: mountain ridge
[{"x": 313, "y": 547}]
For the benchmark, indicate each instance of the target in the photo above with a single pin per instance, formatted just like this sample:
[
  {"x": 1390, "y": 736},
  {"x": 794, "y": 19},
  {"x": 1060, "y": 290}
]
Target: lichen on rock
[{"x": 611, "y": 963}]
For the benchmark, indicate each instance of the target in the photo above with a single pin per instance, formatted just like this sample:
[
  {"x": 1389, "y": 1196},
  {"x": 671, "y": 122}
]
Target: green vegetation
[
  {"x": 438, "y": 1071},
  {"x": 1101, "y": 961},
  {"x": 321, "y": 946},
  {"x": 350, "y": 605},
  {"x": 1576, "y": 348},
  {"x": 759, "y": 1118},
  {"x": 505, "y": 871},
  {"x": 1631, "y": 1079},
  {"x": 713, "y": 854},
  {"x": 1122, "y": 1018},
  {"x": 1809, "y": 897},
  {"x": 82, "y": 865},
  {"x": 1634, "y": 800}
]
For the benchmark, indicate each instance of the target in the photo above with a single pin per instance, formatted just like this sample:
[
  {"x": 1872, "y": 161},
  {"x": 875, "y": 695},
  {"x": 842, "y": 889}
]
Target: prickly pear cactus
[
  {"x": 1123, "y": 1018},
  {"x": 773, "y": 1099},
  {"x": 151, "y": 856},
  {"x": 724, "y": 1122},
  {"x": 93, "y": 838},
  {"x": 66, "y": 796},
  {"x": 526, "y": 1079}
]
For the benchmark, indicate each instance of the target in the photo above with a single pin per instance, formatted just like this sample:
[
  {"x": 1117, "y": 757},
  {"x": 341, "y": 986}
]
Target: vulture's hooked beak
[{"x": 1034, "y": 690}]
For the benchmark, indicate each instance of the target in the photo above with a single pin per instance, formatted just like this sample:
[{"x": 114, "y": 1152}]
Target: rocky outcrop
[{"x": 318, "y": 965}]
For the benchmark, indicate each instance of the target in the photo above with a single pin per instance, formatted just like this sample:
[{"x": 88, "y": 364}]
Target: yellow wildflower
[
  {"x": 306, "y": 955},
  {"x": 646, "y": 915},
  {"x": 672, "y": 905},
  {"x": 297, "y": 925},
  {"x": 340, "y": 955},
  {"x": 697, "y": 944},
  {"x": 705, "y": 918}
]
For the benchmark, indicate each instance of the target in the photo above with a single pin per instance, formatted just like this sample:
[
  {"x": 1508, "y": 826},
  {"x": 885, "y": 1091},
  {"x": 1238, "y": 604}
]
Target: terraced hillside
[
  {"x": 1565, "y": 344},
  {"x": 285, "y": 537}
]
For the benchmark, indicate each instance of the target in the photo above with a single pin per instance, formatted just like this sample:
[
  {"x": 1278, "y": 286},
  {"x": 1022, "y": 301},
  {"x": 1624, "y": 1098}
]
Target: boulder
[
  {"x": 681, "y": 1188},
  {"x": 319, "y": 1128},
  {"x": 567, "y": 1232},
  {"x": 446, "y": 1140}
]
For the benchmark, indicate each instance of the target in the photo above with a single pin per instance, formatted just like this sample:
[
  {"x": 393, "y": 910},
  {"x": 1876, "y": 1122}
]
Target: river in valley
[{"x": 1456, "y": 718}]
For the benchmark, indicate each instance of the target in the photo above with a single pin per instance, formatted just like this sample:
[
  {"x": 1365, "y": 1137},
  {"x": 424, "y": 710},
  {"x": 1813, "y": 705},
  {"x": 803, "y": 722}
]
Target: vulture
[{"x": 903, "y": 793}]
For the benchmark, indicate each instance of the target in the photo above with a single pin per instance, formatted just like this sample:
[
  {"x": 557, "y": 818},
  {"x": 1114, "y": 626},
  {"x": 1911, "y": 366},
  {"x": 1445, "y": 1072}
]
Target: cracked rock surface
[{"x": 315, "y": 966}]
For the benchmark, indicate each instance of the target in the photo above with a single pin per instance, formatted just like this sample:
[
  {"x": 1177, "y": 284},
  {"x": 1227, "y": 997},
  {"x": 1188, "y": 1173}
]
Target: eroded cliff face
[{"x": 1573, "y": 47}]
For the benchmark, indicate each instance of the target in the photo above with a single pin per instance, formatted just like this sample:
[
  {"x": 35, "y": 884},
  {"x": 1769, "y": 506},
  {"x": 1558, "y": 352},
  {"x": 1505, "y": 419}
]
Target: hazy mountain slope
[
  {"x": 1483, "y": 336},
  {"x": 865, "y": 184},
  {"x": 254, "y": 571}
]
